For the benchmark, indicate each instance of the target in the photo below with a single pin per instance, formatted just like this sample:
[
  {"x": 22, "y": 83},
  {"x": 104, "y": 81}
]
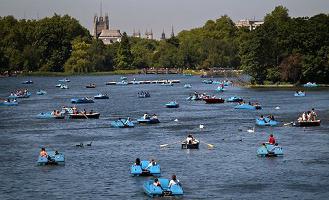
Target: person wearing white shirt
[{"x": 173, "y": 181}]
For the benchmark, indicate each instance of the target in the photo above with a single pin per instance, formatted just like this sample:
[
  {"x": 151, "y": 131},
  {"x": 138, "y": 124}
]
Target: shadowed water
[{"x": 229, "y": 171}]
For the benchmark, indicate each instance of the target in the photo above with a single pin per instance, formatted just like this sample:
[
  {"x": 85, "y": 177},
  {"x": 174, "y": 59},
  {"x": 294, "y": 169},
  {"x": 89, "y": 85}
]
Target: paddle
[
  {"x": 286, "y": 124},
  {"x": 209, "y": 145},
  {"x": 164, "y": 145},
  {"x": 84, "y": 115}
]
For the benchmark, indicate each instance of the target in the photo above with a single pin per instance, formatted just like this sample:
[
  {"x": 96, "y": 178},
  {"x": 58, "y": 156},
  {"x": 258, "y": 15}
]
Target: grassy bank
[{"x": 116, "y": 72}]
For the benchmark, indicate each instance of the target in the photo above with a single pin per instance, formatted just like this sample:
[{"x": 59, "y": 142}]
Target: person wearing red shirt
[{"x": 271, "y": 140}]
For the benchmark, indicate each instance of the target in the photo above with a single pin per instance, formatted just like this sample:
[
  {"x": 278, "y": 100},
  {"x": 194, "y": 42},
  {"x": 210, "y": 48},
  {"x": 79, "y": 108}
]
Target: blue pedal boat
[
  {"x": 41, "y": 92},
  {"x": 300, "y": 94},
  {"x": 101, "y": 96},
  {"x": 246, "y": 106},
  {"x": 28, "y": 82},
  {"x": 25, "y": 95},
  {"x": 309, "y": 84},
  {"x": 50, "y": 115},
  {"x": 207, "y": 81},
  {"x": 66, "y": 80},
  {"x": 53, "y": 159},
  {"x": 220, "y": 89},
  {"x": 9, "y": 103},
  {"x": 141, "y": 170},
  {"x": 156, "y": 191},
  {"x": 82, "y": 100},
  {"x": 148, "y": 121},
  {"x": 266, "y": 122},
  {"x": 172, "y": 104},
  {"x": 234, "y": 99},
  {"x": 122, "y": 123},
  {"x": 269, "y": 150}
]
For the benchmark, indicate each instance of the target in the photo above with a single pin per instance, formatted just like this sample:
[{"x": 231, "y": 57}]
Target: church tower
[
  {"x": 163, "y": 35},
  {"x": 172, "y": 31}
]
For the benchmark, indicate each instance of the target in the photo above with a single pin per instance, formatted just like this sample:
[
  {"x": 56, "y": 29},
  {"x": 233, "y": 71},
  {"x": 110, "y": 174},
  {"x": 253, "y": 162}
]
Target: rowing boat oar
[
  {"x": 164, "y": 145},
  {"x": 286, "y": 124},
  {"x": 209, "y": 145}
]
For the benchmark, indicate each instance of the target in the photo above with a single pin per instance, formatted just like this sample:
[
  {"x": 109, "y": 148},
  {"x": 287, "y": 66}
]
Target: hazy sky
[{"x": 158, "y": 14}]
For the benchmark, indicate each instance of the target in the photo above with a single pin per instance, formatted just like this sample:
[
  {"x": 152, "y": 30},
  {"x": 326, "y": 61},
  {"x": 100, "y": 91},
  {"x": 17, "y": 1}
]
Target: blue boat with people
[
  {"x": 246, "y": 106},
  {"x": 53, "y": 158},
  {"x": 164, "y": 191},
  {"x": 123, "y": 123},
  {"x": 41, "y": 92},
  {"x": 20, "y": 95},
  {"x": 220, "y": 89},
  {"x": 148, "y": 119},
  {"x": 266, "y": 121},
  {"x": 50, "y": 115},
  {"x": 82, "y": 100},
  {"x": 9, "y": 103},
  {"x": 145, "y": 169},
  {"x": 269, "y": 150},
  {"x": 28, "y": 82},
  {"x": 300, "y": 94},
  {"x": 66, "y": 80},
  {"x": 310, "y": 84},
  {"x": 234, "y": 99},
  {"x": 172, "y": 104},
  {"x": 207, "y": 81},
  {"x": 101, "y": 96}
]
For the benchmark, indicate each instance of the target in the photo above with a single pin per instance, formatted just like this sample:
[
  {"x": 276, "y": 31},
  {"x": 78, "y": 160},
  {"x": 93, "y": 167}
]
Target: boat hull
[
  {"x": 58, "y": 159},
  {"x": 248, "y": 107},
  {"x": 148, "y": 121},
  {"x": 190, "y": 146},
  {"x": 213, "y": 101},
  {"x": 269, "y": 150},
  {"x": 266, "y": 122},
  {"x": 141, "y": 170},
  {"x": 80, "y": 101},
  {"x": 165, "y": 191},
  {"x": 308, "y": 123},
  {"x": 85, "y": 116}
]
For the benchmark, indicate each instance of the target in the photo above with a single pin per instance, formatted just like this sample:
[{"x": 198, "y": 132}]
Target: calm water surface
[{"x": 230, "y": 171}]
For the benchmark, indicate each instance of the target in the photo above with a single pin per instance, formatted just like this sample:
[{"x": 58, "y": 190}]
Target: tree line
[{"x": 283, "y": 49}]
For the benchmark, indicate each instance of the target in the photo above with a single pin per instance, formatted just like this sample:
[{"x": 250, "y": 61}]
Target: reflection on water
[{"x": 231, "y": 170}]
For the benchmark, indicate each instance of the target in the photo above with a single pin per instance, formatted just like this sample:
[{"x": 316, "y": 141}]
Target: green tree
[{"x": 124, "y": 58}]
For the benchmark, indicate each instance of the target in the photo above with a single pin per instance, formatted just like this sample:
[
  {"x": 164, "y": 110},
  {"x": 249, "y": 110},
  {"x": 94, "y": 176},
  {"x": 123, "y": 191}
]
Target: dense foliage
[{"x": 283, "y": 49}]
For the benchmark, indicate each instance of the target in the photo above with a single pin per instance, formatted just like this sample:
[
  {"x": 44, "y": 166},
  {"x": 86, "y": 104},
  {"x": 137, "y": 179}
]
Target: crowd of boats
[{"x": 160, "y": 186}]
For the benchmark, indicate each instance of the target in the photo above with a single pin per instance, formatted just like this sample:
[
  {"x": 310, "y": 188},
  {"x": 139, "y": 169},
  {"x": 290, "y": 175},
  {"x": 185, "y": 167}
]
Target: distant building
[
  {"x": 149, "y": 35},
  {"x": 250, "y": 24},
  {"x": 137, "y": 34},
  {"x": 102, "y": 31}
]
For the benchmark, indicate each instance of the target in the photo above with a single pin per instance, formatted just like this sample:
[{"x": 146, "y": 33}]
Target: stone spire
[
  {"x": 172, "y": 31},
  {"x": 163, "y": 35}
]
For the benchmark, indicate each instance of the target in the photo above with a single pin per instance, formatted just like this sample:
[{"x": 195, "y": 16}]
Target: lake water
[{"x": 229, "y": 171}]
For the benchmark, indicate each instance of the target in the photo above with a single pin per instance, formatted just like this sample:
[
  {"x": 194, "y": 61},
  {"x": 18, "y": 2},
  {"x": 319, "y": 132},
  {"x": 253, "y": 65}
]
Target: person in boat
[
  {"x": 173, "y": 181},
  {"x": 75, "y": 110},
  {"x": 189, "y": 139},
  {"x": 271, "y": 117},
  {"x": 262, "y": 118},
  {"x": 84, "y": 111},
  {"x": 309, "y": 116},
  {"x": 127, "y": 121},
  {"x": 313, "y": 115},
  {"x": 157, "y": 183},
  {"x": 304, "y": 116},
  {"x": 138, "y": 162},
  {"x": 43, "y": 152},
  {"x": 91, "y": 112},
  {"x": 271, "y": 139},
  {"x": 154, "y": 116},
  {"x": 146, "y": 116},
  {"x": 152, "y": 163}
]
